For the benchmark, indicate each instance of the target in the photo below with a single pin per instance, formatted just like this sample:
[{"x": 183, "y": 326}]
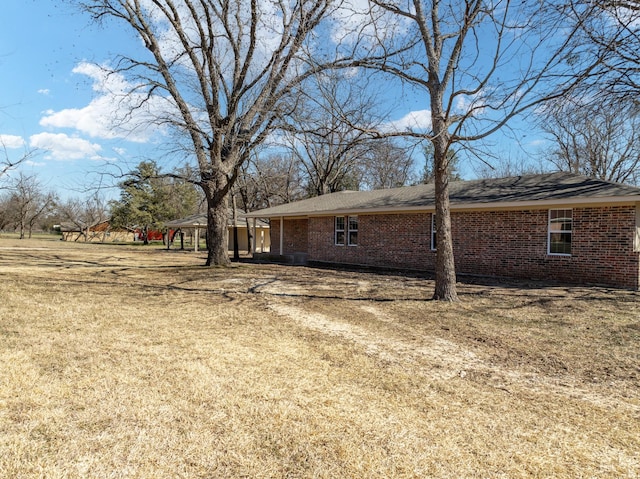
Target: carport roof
[{"x": 200, "y": 221}]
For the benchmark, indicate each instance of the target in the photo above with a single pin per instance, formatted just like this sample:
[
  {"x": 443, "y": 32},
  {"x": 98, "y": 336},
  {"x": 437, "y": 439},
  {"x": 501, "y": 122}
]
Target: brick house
[{"x": 556, "y": 226}]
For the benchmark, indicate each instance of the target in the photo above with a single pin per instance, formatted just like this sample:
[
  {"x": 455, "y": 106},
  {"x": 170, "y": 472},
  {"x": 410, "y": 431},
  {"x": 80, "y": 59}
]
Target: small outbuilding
[
  {"x": 558, "y": 226},
  {"x": 102, "y": 232}
]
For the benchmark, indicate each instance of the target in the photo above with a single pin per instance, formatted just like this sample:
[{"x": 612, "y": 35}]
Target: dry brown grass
[{"x": 139, "y": 363}]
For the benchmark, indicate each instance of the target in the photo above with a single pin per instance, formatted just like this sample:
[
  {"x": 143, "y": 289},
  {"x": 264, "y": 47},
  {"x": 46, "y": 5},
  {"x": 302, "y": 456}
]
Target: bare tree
[
  {"x": 83, "y": 213},
  {"x": 225, "y": 68},
  {"x": 479, "y": 65},
  {"x": 387, "y": 165},
  {"x": 270, "y": 180},
  {"x": 29, "y": 202},
  {"x": 328, "y": 133},
  {"x": 594, "y": 138},
  {"x": 7, "y": 211},
  {"x": 611, "y": 31}
]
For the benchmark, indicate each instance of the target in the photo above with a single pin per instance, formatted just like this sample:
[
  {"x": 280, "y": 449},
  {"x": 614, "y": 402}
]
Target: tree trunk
[
  {"x": 236, "y": 249},
  {"x": 249, "y": 237},
  {"x": 217, "y": 232},
  {"x": 445, "y": 289}
]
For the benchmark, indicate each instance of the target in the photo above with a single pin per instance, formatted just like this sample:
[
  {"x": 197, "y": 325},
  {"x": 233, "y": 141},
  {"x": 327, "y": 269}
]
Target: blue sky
[
  {"x": 50, "y": 101},
  {"x": 47, "y": 90}
]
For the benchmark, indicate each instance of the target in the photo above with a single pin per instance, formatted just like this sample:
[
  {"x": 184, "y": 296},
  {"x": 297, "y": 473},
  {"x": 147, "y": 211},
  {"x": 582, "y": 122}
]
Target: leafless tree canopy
[
  {"x": 595, "y": 138},
  {"x": 270, "y": 180},
  {"x": 224, "y": 69},
  {"x": 610, "y": 30},
  {"x": 26, "y": 202},
  {"x": 387, "y": 165},
  {"x": 328, "y": 132}
]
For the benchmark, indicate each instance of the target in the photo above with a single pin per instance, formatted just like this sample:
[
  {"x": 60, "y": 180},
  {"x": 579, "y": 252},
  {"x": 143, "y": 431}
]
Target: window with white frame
[
  {"x": 433, "y": 231},
  {"x": 560, "y": 231},
  {"x": 353, "y": 231},
  {"x": 346, "y": 230},
  {"x": 339, "y": 230}
]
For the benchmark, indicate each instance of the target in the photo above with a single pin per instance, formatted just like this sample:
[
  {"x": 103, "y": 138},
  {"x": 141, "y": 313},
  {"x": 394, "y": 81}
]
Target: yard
[{"x": 134, "y": 362}]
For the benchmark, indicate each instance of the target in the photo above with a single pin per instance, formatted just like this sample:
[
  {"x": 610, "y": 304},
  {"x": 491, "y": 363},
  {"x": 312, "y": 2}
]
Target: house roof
[{"x": 518, "y": 191}]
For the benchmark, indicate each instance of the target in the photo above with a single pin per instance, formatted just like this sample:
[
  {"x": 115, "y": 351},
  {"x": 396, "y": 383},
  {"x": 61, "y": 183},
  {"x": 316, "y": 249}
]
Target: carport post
[{"x": 255, "y": 236}]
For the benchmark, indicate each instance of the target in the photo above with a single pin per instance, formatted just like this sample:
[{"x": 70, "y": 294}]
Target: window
[
  {"x": 353, "y": 230},
  {"x": 433, "y": 231},
  {"x": 339, "y": 230},
  {"x": 346, "y": 228},
  {"x": 560, "y": 231}
]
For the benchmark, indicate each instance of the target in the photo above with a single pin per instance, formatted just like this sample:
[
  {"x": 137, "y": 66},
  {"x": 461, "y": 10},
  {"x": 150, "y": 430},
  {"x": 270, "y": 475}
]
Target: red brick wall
[
  {"x": 295, "y": 236},
  {"x": 514, "y": 244},
  {"x": 383, "y": 240},
  {"x": 497, "y": 243}
]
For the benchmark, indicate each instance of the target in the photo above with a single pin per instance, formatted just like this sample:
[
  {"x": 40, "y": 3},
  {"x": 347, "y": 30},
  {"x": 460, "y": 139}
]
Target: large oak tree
[{"x": 226, "y": 69}]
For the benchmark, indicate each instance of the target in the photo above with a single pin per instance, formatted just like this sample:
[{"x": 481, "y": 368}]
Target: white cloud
[
  {"x": 353, "y": 24},
  {"x": 11, "y": 141},
  {"x": 63, "y": 147},
  {"x": 419, "y": 120},
  {"x": 114, "y": 113},
  {"x": 476, "y": 104},
  {"x": 36, "y": 164},
  {"x": 44, "y": 91},
  {"x": 538, "y": 142}
]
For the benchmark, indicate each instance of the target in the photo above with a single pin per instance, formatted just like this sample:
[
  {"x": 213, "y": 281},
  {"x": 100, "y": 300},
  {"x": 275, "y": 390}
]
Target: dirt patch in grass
[{"x": 140, "y": 362}]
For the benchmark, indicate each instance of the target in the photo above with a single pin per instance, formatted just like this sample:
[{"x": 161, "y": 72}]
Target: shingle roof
[{"x": 546, "y": 188}]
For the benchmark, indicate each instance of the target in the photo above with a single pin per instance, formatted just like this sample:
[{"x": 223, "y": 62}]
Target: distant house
[
  {"x": 101, "y": 232},
  {"x": 195, "y": 226},
  {"x": 557, "y": 226}
]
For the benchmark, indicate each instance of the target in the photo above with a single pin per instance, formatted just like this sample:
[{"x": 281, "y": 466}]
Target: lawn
[{"x": 133, "y": 362}]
